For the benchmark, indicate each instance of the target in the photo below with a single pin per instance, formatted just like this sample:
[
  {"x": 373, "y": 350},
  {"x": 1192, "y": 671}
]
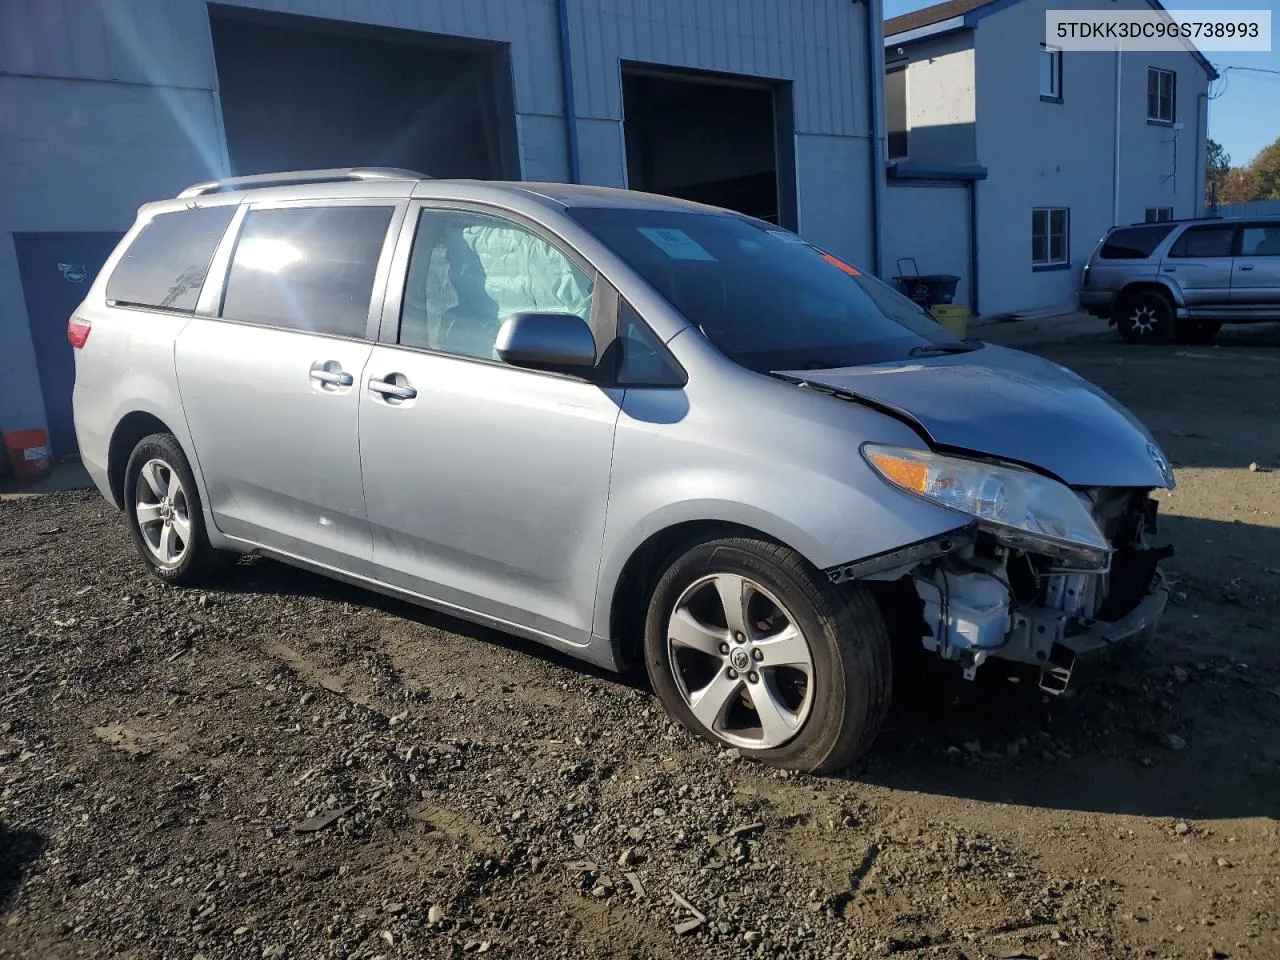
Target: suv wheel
[
  {"x": 162, "y": 506},
  {"x": 1145, "y": 317},
  {"x": 749, "y": 646}
]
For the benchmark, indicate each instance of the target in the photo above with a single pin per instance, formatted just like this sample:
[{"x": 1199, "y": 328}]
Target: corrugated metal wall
[
  {"x": 1254, "y": 208},
  {"x": 105, "y": 104}
]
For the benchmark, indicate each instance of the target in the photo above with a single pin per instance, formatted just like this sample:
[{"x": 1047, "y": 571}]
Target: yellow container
[{"x": 953, "y": 317}]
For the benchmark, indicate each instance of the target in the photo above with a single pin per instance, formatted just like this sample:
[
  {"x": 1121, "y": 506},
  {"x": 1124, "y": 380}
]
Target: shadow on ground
[
  {"x": 1103, "y": 748},
  {"x": 263, "y": 575},
  {"x": 1189, "y": 727},
  {"x": 19, "y": 849}
]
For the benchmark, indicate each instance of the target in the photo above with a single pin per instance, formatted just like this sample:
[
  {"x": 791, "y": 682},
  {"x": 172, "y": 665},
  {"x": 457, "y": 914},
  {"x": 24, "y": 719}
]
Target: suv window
[
  {"x": 1133, "y": 243},
  {"x": 1260, "y": 241},
  {"x": 166, "y": 264},
  {"x": 1200, "y": 242},
  {"x": 468, "y": 272},
  {"x": 307, "y": 268}
]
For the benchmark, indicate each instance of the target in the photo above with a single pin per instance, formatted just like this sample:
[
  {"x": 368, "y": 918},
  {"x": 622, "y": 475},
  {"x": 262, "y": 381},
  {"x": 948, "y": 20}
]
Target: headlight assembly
[{"x": 1021, "y": 508}]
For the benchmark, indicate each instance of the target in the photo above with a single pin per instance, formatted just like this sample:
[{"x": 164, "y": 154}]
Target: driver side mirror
[{"x": 546, "y": 341}]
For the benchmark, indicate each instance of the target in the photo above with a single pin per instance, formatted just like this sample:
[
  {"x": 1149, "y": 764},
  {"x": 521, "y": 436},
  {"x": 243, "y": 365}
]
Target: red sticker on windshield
[{"x": 841, "y": 265}]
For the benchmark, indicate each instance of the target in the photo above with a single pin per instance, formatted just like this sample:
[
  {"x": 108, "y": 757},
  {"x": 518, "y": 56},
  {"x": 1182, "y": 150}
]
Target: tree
[
  {"x": 1239, "y": 185},
  {"x": 1217, "y": 163},
  {"x": 1266, "y": 168}
]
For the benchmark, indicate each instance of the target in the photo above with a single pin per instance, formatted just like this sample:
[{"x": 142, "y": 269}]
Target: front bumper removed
[{"x": 1059, "y": 645}]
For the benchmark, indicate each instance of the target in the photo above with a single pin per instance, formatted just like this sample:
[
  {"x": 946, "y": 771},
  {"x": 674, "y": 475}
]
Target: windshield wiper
[{"x": 935, "y": 349}]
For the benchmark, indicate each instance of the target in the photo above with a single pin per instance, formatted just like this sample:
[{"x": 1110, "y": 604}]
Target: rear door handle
[
  {"x": 335, "y": 378},
  {"x": 1170, "y": 269},
  {"x": 399, "y": 391},
  {"x": 1246, "y": 266}
]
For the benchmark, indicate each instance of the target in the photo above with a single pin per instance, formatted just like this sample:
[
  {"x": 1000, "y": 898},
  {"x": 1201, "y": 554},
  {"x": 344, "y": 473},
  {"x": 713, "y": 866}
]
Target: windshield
[{"x": 764, "y": 297}]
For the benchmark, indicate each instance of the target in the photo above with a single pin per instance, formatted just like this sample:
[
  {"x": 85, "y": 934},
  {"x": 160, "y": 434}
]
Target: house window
[
  {"x": 1159, "y": 214},
  {"x": 1049, "y": 236},
  {"x": 1161, "y": 86},
  {"x": 895, "y": 94},
  {"x": 1050, "y": 73}
]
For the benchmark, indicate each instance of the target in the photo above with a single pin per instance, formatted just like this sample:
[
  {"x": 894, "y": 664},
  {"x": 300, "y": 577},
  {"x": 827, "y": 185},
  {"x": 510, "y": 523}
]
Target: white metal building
[
  {"x": 1010, "y": 159},
  {"x": 766, "y": 106}
]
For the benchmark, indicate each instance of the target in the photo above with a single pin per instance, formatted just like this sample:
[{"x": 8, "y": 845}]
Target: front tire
[
  {"x": 162, "y": 507},
  {"x": 1145, "y": 317},
  {"x": 748, "y": 646}
]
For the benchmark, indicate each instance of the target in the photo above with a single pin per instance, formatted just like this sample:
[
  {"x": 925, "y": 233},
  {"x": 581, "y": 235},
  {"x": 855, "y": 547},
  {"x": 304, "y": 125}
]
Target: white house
[
  {"x": 1009, "y": 159},
  {"x": 772, "y": 108}
]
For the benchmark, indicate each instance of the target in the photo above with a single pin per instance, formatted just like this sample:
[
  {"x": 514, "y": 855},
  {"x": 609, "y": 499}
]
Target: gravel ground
[{"x": 281, "y": 766}]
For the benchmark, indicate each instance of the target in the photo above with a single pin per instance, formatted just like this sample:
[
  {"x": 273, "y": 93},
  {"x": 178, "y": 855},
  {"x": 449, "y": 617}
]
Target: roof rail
[{"x": 295, "y": 177}]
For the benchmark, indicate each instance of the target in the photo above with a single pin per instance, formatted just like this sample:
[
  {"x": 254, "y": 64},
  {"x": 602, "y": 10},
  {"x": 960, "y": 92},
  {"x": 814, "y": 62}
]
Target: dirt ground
[{"x": 280, "y": 766}]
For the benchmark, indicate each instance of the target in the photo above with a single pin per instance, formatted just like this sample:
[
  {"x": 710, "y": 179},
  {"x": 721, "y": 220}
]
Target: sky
[{"x": 1244, "y": 112}]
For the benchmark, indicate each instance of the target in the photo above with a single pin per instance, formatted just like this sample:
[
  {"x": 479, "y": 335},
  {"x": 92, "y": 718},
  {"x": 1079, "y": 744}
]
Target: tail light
[{"x": 77, "y": 331}]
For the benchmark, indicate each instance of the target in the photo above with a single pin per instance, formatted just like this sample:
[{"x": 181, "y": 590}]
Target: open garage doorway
[
  {"x": 302, "y": 93},
  {"x": 712, "y": 138}
]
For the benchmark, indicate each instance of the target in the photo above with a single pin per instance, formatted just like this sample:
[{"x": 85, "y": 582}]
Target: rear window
[
  {"x": 1134, "y": 243},
  {"x": 307, "y": 268},
  {"x": 166, "y": 264}
]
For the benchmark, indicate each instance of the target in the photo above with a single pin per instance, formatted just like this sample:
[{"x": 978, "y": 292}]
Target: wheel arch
[
  {"x": 628, "y": 599},
  {"x": 1157, "y": 286},
  {"x": 131, "y": 428}
]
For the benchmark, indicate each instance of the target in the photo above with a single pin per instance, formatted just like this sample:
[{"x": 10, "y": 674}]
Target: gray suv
[
  {"x": 635, "y": 429},
  {"x": 1184, "y": 279}
]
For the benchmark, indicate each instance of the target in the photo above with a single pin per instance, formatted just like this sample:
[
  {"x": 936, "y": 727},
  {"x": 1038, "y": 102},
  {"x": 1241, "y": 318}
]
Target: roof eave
[
  {"x": 969, "y": 21},
  {"x": 941, "y": 28}
]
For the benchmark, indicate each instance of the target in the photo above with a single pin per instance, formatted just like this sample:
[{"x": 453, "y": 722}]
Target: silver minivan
[{"x": 629, "y": 427}]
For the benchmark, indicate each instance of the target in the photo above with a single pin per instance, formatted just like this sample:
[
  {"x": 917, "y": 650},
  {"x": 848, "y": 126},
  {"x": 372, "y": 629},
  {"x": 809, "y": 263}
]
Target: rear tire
[
  {"x": 1144, "y": 317},
  {"x": 163, "y": 510},
  {"x": 803, "y": 682}
]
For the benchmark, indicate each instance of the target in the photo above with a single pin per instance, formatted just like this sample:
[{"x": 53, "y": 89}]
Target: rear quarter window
[
  {"x": 166, "y": 264},
  {"x": 1134, "y": 243}
]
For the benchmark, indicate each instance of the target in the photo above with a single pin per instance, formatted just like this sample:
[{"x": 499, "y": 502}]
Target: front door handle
[
  {"x": 390, "y": 389},
  {"x": 330, "y": 374}
]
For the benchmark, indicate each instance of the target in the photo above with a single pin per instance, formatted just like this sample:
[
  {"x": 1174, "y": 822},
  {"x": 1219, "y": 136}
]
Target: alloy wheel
[
  {"x": 160, "y": 503},
  {"x": 1144, "y": 319},
  {"x": 740, "y": 661}
]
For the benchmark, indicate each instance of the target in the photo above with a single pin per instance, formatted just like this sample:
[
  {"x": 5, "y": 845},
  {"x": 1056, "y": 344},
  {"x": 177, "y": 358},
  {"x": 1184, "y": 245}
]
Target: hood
[{"x": 1014, "y": 406}]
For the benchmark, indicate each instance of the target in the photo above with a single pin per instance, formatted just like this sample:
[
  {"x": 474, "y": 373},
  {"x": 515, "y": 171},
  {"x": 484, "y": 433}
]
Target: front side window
[
  {"x": 1133, "y": 243},
  {"x": 899, "y": 127},
  {"x": 1050, "y": 73},
  {"x": 1049, "y": 236},
  {"x": 1159, "y": 214},
  {"x": 763, "y": 296},
  {"x": 1260, "y": 241},
  {"x": 1161, "y": 87},
  {"x": 166, "y": 264},
  {"x": 469, "y": 272},
  {"x": 307, "y": 268},
  {"x": 1201, "y": 242}
]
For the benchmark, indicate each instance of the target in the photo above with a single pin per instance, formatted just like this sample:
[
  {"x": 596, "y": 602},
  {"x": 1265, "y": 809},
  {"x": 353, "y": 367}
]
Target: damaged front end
[{"x": 995, "y": 588}]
